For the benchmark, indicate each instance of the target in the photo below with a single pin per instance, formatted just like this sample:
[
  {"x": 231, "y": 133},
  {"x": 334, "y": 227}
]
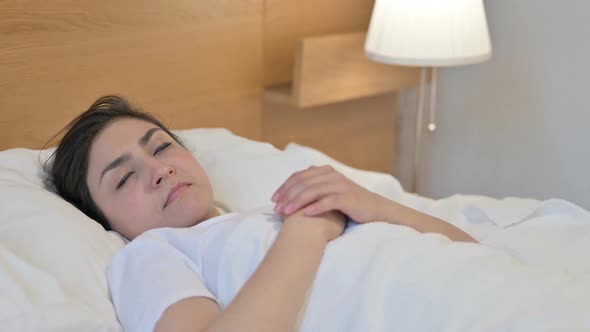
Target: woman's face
[{"x": 141, "y": 178}]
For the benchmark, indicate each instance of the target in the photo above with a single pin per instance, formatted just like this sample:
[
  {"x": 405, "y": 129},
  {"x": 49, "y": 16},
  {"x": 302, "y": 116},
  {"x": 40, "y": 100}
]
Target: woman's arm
[
  {"x": 395, "y": 213},
  {"x": 273, "y": 296},
  {"x": 320, "y": 189}
]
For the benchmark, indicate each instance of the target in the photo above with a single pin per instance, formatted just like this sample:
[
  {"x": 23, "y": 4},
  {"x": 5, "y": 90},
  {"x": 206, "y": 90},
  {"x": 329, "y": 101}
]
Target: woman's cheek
[
  {"x": 185, "y": 158},
  {"x": 135, "y": 201}
]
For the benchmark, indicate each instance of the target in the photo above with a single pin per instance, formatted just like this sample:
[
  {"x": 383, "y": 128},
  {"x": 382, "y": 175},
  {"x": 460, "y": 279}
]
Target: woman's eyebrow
[
  {"x": 148, "y": 135},
  {"x": 114, "y": 164},
  {"x": 126, "y": 156}
]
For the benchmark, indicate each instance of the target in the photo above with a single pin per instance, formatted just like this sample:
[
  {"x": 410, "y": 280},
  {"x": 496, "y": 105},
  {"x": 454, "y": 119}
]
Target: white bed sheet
[
  {"x": 553, "y": 234},
  {"x": 52, "y": 258}
]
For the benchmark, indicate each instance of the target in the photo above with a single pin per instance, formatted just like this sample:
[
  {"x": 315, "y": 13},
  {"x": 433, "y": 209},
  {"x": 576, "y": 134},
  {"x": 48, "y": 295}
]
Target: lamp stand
[
  {"x": 417, "y": 141},
  {"x": 419, "y": 118},
  {"x": 433, "y": 80}
]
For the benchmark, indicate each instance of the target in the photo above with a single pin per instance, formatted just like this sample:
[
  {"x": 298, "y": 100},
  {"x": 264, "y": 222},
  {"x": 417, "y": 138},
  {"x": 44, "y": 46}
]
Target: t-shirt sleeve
[{"x": 149, "y": 275}]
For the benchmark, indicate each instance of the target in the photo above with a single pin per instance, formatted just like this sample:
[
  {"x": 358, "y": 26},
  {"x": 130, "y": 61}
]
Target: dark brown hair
[{"x": 67, "y": 167}]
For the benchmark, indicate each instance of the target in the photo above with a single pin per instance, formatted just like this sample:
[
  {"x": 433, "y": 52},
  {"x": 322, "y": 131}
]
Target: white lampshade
[{"x": 428, "y": 32}]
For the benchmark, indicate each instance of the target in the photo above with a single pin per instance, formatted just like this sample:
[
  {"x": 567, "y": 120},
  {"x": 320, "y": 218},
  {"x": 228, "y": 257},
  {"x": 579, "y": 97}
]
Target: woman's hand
[
  {"x": 320, "y": 189},
  {"x": 328, "y": 225}
]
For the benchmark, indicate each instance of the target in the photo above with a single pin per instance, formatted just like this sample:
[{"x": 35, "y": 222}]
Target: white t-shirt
[
  {"x": 211, "y": 259},
  {"x": 375, "y": 277}
]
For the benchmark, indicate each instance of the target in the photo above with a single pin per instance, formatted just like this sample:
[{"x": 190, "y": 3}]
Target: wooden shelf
[
  {"x": 334, "y": 68},
  {"x": 280, "y": 93}
]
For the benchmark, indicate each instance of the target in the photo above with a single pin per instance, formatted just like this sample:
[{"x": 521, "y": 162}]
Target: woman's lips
[{"x": 176, "y": 192}]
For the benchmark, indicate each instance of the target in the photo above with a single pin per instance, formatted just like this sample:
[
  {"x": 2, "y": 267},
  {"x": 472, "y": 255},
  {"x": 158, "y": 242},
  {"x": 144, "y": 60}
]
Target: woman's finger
[
  {"x": 298, "y": 176},
  {"x": 311, "y": 194},
  {"x": 297, "y": 188},
  {"x": 304, "y": 183},
  {"x": 328, "y": 203}
]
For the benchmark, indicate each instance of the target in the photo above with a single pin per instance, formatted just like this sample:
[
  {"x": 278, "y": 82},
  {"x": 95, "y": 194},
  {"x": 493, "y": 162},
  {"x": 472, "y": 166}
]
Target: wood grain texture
[
  {"x": 176, "y": 59},
  {"x": 334, "y": 68},
  {"x": 192, "y": 63},
  {"x": 287, "y": 21},
  {"x": 360, "y": 133}
]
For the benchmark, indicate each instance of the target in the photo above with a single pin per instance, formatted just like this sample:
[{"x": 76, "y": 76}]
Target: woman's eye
[
  {"x": 123, "y": 180},
  {"x": 162, "y": 147}
]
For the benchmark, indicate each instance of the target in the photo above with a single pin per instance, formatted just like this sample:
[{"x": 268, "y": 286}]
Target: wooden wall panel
[
  {"x": 176, "y": 59},
  {"x": 334, "y": 68},
  {"x": 285, "y": 21},
  {"x": 360, "y": 133}
]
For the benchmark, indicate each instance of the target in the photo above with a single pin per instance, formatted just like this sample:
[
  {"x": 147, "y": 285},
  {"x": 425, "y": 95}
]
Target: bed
[{"x": 172, "y": 59}]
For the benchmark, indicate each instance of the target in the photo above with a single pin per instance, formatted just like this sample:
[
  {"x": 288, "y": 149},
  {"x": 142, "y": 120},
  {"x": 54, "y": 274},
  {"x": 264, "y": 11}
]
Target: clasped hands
[{"x": 319, "y": 190}]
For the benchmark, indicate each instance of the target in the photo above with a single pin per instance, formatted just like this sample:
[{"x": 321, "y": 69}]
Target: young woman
[{"x": 189, "y": 268}]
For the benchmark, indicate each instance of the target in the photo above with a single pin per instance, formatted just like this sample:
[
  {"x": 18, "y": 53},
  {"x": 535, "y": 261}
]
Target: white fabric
[
  {"x": 504, "y": 213},
  {"x": 53, "y": 258},
  {"x": 210, "y": 143},
  {"x": 246, "y": 181},
  {"x": 149, "y": 275},
  {"x": 381, "y": 183},
  {"x": 376, "y": 277}
]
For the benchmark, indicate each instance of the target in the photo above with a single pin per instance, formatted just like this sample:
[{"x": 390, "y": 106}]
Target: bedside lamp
[{"x": 427, "y": 34}]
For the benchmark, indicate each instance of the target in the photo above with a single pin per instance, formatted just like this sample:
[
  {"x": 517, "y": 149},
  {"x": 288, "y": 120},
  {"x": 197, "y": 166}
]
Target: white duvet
[
  {"x": 398, "y": 280},
  {"x": 531, "y": 271},
  {"x": 375, "y": 277}
]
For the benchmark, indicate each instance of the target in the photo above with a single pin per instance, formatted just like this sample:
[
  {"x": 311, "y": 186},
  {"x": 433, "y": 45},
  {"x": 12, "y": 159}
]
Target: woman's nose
[{"x": 161, "y": 173}]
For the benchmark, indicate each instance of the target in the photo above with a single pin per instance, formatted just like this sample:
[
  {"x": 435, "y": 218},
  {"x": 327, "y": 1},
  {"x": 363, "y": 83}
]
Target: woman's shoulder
[{"x": 254, "y": 221}]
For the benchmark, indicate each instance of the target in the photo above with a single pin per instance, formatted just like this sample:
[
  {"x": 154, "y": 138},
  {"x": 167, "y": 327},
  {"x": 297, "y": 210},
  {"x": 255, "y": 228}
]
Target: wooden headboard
[{"x": 193, "y": 63}]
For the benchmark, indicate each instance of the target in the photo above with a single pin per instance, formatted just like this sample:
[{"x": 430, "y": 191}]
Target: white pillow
[
  {"x": 52, "y": 257},
  {"x": 243, "y": 182},
  {"x": 381, "y": 183},
  {"x": 208, "y": 143}
]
